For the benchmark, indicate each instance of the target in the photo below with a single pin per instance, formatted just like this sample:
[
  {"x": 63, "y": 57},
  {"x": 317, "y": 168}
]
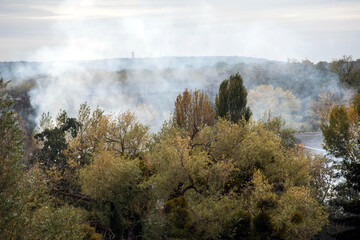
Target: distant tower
[{"x": 132, "y": 55}]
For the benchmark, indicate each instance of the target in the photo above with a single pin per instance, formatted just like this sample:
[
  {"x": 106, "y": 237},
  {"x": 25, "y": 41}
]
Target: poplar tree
[{"x": 193, "y": 111}]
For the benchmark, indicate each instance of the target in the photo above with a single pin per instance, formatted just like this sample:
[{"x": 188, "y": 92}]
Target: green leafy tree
[
  {"x": 54, "y": 141},
  {"x": 117, "y": 148},
  {"x": 26, "y": 208},
  {"x": 337, "y": 132},
  {"x": 113, "y": 181},
  {"x": 10, "y": 168},
  {"x": 231, "y": 100},
  {"x": 348, "y": 71},
  {"x": 342, "y": 140},
  {"x": 243, "y": 174},
  {"x": 277, "y": 126},
  {"x": 98, "y": 161},
  {"x": 127, "y": 136}
]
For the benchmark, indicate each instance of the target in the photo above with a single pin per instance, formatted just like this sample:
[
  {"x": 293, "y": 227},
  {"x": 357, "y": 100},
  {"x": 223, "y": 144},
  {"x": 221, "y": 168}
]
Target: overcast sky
[{"x": 51, "y": 30}]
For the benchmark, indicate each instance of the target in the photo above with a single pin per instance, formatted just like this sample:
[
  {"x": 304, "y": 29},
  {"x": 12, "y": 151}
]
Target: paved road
[{"x": 312, "y": 141}]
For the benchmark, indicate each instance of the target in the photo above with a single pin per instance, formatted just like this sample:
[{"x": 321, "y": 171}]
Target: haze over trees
[
  {"x": 27, "y": 209},
  {"x": 265, "y": 98},
  {"x": 348, "y": 71},
  {"x": 121, "y": 84}
]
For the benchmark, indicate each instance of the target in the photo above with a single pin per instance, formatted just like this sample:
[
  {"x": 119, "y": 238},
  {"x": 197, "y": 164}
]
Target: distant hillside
[{"x": 25, "y": 69}]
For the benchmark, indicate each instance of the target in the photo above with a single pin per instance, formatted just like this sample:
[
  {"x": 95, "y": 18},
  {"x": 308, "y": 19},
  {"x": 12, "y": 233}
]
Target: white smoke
[{"x": 96, "y": 29}]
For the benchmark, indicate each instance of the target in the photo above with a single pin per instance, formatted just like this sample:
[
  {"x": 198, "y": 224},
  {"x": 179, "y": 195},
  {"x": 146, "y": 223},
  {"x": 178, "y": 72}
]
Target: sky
[{"x": 58, "y": 30}]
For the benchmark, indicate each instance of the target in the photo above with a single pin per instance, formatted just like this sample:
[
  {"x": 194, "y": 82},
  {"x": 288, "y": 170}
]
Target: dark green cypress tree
[{"x": 231, "y": 100}]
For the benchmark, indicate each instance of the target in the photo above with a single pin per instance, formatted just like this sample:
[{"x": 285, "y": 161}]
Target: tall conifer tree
[{"x": 231, "y": 100}]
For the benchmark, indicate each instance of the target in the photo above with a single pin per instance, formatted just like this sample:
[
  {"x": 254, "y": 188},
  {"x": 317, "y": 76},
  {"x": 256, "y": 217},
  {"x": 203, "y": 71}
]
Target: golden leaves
[{"x": 193, "y": 111}]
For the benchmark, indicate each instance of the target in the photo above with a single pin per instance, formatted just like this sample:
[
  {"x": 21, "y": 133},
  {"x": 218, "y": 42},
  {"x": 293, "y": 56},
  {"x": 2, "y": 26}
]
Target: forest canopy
[{"x": 211, "y": 172}]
